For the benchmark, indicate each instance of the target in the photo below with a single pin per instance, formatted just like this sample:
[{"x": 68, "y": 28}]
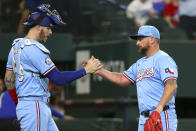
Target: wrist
[
  {"x": 86, "y": 70},
  {"x": 98, "y": 72},
  {"x": 159, "y": 108}
]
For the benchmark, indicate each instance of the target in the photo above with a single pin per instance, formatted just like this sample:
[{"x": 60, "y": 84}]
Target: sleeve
[
  {"x": 56, "y": 113},
  {"x": 151, "y": 7},
  {"x": 7, "y": 107},
  {"x": 9, "y": 62},
  {"x": 131, "y": 74},
  {"x": 64, "y": 77},
  {"x": 41, "y": 61},
  {"x": 167, "y": 68},
  {"x": 167, "y": 10},
  {"x": 13, "y": 95}
]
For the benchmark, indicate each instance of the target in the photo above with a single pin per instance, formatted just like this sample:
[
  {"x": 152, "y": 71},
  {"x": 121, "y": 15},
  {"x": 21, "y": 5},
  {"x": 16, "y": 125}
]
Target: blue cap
[
  {"x": 44, "y": 17},
  {"x": 146, "y": 31}
]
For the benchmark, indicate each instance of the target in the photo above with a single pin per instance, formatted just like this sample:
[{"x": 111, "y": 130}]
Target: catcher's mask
[{"x": 44, "y": 17}]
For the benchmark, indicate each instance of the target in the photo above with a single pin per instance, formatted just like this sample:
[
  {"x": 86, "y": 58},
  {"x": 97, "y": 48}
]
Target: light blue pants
[
  {"x": 35, "y": 115},
  {"x": 168, "y": 118}
]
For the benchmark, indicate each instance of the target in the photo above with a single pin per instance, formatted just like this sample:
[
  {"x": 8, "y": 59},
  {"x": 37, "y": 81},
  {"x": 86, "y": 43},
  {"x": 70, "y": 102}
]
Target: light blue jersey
[
  {"x": 33, "y": 59},
  {"x": 150, "y": 75},
  {"x": 31, "y": 63}
]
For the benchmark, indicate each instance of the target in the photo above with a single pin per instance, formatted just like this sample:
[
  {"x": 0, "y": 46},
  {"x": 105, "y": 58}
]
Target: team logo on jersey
[
  {"x": 48, "y": 61},
  {"x": 169, "y": 70},
  {"x": 146, "y": 73}
]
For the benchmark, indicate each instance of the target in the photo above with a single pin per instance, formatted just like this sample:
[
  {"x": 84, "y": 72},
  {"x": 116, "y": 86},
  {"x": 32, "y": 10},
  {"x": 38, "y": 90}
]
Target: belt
[
  {"x": 147, "y": 112},
  {"x": 34, "y": 98}
]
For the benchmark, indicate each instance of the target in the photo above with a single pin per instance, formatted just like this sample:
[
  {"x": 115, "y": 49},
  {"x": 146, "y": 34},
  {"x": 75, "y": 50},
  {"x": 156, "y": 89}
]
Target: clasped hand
[{"x": 92, "y": 65}]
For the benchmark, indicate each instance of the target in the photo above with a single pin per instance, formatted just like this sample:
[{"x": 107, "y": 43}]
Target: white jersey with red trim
[
  {"x": 34, "y": 63},
  {"x": 150, "y": 75}
]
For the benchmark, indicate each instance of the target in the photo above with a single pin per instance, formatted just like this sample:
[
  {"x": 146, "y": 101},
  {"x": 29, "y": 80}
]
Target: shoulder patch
[
  {"x": 169, "y": 70},
  {"x": 48, "y": 61}
]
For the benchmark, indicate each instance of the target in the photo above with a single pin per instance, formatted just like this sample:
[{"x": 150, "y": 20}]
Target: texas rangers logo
[{"x": 146, "y": 73}]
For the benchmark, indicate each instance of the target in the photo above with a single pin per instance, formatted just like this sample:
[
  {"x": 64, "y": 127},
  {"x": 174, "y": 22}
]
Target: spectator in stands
[
  {"x": 8, "y": 109},
  {"x": 24, "y": 16},
  {"x": 158, "y": 5},
  {"x": 187, "y": 14},
  {"x": 9, "y": 15},
  {"x": 33, "y": 4},
  {"x": 2, "y": 85},
  {"x": 170, "y": 13},
  {"x": 140, "y": 11},
  {"x": 70, "y": 10},
  {"x": 55, "y": 100},
  {"x": 25, "y": 7}
]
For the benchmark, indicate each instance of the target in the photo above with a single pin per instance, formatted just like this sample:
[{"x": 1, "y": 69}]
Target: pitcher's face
[{"x": 143, "y": 44}]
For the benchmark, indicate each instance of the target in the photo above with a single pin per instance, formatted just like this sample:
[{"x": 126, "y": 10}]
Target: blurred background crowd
[{"x": 106, "y": 19}]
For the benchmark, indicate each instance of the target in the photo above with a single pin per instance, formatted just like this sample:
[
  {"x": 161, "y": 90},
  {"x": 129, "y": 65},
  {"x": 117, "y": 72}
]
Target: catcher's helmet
[{"x": 44, "y": 17}]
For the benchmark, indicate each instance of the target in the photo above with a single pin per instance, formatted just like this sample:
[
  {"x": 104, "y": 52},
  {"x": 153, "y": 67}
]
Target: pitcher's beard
[{"x": 142, "y": 50}]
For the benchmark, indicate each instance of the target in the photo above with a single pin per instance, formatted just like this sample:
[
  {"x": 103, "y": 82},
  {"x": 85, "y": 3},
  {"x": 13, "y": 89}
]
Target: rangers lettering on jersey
[{"x": 146, "y": 73}]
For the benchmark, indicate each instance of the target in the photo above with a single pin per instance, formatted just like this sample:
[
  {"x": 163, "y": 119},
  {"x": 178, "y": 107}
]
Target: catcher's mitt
[{"x": 154, "y": 122}]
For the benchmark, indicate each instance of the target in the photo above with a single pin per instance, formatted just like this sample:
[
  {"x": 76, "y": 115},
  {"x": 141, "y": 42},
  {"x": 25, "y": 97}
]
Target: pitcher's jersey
[
  {"x": 150, "y": 75},
  {"x": 33, "y": 59}
]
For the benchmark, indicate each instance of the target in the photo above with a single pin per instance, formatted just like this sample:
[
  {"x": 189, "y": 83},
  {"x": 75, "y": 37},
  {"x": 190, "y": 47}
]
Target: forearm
[
  {"x": 61, "y": 78},
  {"x": 113, "y": 77},
  {"x": 167, "y": 96},
  {"x": 9, "y": 80},
  {"x": 168, "y": 20},
  {"x": 56, "y": 113},
  {"x": 137, "y": 23}
]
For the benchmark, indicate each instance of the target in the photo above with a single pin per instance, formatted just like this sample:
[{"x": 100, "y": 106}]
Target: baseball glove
[{"x": 154, "y": 122}]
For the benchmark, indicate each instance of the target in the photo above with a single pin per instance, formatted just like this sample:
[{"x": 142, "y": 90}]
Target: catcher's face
[
  {"x": 143, "y": 44},
  {"x": 45, "y": 32}
]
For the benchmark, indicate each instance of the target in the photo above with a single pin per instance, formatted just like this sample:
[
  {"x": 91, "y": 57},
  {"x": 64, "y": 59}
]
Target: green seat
[
  {"x": 165, "y": 31},
  {"x": 159, "y": 23},
  {"x": 174, "y": 34},
  {"x": 186, "y": 124},
  {"x": 93, "y": 124}
]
